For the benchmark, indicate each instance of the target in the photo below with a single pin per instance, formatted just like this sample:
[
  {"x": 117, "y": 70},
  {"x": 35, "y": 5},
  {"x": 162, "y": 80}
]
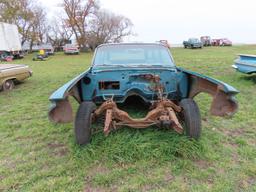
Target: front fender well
[
  {"x": 61, "y": 111},
  {"x": 223, "y": 104}
]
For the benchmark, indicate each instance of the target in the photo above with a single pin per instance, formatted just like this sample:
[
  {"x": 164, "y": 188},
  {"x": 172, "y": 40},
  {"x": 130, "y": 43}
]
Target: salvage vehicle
[
  {"x": 206, "y": 40},
  {"x": 165, "y": 43},
  {"x": 245, "y": 64},
  {"x": 221, "y": 42},
  {"x": 147, "y": 71},
  {"x": 192, "y": 43},
  {"x": 10, "y": 74},
  {"x": 70, "y": 49}
]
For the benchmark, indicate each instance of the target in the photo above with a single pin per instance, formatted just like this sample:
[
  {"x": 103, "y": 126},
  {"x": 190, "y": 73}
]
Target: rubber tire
[
  {"x": 191, "y": 117},
  {"x": 8, "y": 85},
  {"x": 83, "y": 122}
]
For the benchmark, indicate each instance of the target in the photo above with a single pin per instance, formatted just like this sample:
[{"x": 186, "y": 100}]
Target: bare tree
[
  {"x": 78, "y": 12},
  {"x": 108, "y": 27},
  {"x": 38, "y": 22},
  {"x": 59, "y": 33}
]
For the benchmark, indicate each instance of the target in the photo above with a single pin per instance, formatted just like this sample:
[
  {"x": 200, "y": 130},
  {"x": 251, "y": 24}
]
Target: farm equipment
[
  {"x": 245, "y": 64},
  {"x": 41, "y": 56},
  {"x": 147, "y": 71}
]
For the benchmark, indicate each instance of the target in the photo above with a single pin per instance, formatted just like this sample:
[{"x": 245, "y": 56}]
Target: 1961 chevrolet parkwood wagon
[
  {"x": 245, "y": 64},
  {"x": 145, "y": 71},
  {"x": 11, "y": 74}
]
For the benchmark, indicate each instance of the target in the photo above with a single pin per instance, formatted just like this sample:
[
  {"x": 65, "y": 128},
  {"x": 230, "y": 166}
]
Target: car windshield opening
[{"x": 133, "y": 55}]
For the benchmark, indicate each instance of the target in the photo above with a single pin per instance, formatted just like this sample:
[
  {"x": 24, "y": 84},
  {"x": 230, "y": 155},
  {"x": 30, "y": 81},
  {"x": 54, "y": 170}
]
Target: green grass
[{"x": 37, "y": 155}]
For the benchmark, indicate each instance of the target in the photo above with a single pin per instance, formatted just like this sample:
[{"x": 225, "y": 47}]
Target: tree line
[{"x": 83, "y": 20}]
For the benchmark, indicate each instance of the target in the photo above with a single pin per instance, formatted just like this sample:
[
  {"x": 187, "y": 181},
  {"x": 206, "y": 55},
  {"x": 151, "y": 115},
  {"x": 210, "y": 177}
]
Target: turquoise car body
[
  {"x": 178, "y": 84},
  {"x": 245, "y": 64}
]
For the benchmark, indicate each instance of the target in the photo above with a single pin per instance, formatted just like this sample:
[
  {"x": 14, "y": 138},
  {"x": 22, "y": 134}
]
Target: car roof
[{"x": 117, "y": 44}]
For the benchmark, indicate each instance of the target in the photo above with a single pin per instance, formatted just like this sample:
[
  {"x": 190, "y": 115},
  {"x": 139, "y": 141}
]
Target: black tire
[
  {"x": 8, "y": 85},
  {"x": 83, "y": 122},
  {"x": 191, "y": 118}
]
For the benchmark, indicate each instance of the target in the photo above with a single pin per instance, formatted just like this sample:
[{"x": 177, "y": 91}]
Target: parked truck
[
  {"x": 206, "y": 40},
  {"x": 192, "y": 43},
  {"x": 10, "y": 45}
]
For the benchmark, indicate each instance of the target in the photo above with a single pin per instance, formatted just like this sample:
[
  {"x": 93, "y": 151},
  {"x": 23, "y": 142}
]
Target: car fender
[
  {"x": 223, "y": 103},
  {"x": 60, "y": 110}
]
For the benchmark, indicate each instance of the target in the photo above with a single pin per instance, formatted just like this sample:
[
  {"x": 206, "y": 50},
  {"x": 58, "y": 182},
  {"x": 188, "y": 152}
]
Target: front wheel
[
  {"x": 191, "y": 118},
  {"x": 8, "y": 85},
  {"x": 83, "y": 122}
]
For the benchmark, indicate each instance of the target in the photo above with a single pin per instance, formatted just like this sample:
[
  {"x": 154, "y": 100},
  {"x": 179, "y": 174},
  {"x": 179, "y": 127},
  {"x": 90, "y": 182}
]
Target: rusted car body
[
  {"x": 120, "y": 71},
  {"x": 166, "y": 43},
  {"x": 206, "y": 40},
  {"x": 70, "y": 49},
  {"x": 221, "y": 42},
  {"x": 245, "y": 64},
  {"x": 11, "y": 74}
]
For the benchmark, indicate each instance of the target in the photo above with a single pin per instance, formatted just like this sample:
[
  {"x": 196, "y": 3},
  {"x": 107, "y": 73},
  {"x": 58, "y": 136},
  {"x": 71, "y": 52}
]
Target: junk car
[
  {"x": 10, "y": 74},
  {"x": 148, "y": 71},
  {"x": 245, "y": 64},
  {"x": 192, "y": 43}
]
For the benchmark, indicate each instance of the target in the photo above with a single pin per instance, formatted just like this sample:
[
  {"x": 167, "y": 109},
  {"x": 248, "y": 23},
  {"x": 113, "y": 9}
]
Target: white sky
[{"x": 176, "y": 20}]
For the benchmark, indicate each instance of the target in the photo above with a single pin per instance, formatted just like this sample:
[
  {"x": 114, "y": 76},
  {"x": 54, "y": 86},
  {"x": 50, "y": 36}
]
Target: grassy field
[{"x": 37, "y": 155}]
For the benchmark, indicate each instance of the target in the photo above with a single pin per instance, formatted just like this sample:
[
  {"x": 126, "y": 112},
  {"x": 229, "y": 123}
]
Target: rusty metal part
[
  {"x": 222, "y": 105},
  {"x": 62, "y": 112},
  {"x": 163, "y": 112},
  {"x": 108, "y": 121}
]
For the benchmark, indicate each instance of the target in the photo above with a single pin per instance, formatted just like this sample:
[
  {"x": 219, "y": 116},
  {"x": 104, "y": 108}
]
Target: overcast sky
[{"x": 176, "y": 20}]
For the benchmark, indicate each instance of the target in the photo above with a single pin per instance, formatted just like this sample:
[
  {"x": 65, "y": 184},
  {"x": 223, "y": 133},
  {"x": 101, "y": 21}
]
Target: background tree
[
  {"x": 59, "y": 33},
  {"x": 78, "y": 13},
  {"x": 107, "y": 27}
]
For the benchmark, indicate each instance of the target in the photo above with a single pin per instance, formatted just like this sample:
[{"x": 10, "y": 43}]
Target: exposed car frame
[{"x": 169, "y": 89}]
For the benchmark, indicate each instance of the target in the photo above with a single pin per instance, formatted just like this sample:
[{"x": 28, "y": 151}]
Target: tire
[
  {"x": 83, "y": 122},
  {"x": 8, "y": 85},
  {"x": 191, "y": 118}
]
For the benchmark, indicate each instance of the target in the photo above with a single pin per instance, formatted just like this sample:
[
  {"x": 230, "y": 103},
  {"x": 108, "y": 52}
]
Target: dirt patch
[
  {"x": 168, "y": 178},
  {"x": 98, "y": 169},
  {"x": 19, "y": 138},
  {"x": 55, "y": 145},
  {"x": 245, "y": 184},
  {"x": 230, "y": 145},
  {"x": 89, "y": 187},
  {"x": 58, "y": 149},
  {"x": 232, "y": 132},
  {"x": 202, "y": 164}
]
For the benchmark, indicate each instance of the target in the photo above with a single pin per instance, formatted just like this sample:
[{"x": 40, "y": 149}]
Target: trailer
[{"x": 10, "y": 44}]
